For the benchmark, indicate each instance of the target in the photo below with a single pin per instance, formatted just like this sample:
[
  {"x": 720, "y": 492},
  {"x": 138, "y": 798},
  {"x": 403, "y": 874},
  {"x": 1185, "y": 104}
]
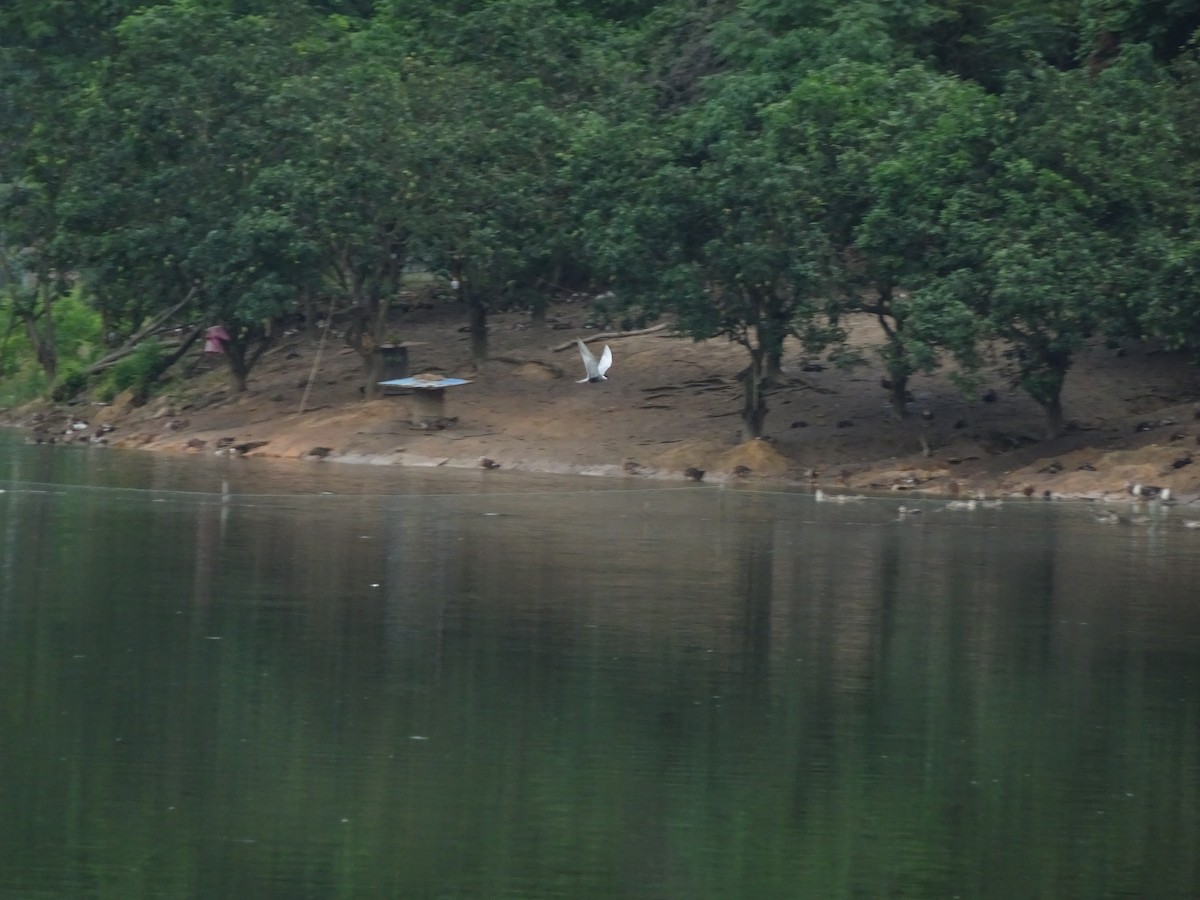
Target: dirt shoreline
[{"x": 672, "y": 405}]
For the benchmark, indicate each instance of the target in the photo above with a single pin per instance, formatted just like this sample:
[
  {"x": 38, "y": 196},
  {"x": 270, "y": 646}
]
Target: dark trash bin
[{"x": 395, "y": 361}]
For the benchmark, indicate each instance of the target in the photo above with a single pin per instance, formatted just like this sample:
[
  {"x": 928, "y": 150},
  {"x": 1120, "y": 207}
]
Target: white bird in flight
[{"x": 595, "y": 370}]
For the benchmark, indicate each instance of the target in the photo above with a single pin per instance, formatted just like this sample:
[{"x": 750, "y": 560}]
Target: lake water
[{"x": 243, "y": 679}]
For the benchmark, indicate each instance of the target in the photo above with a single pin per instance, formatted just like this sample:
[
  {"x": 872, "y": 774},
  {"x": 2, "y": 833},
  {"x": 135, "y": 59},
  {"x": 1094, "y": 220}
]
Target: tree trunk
[
  {"x": 1043, "y": 380},
  {"x": 243, "y": 352},
  {"x": 108, "y": 335},
  {"x": 772, "y": 331},
  {"x": 43, "y": 345},
  {"x": 25, "y": 295},
  {"x": 1055, "y": 423},
  {"x": 239, "y": 372},
  {"x": 36, "y": 311},
  {"x": 895, "y": 359},
  {"x": 312, "y": 334},
  {"x": 477, "y": 312},
  {"x": 774, "y": 372},
  {"x": 48, "y": 352},
  {"x": 754, "y": 401},
  {"x": 365, "y": 333},
  {"x": 898, "y": 398},
  {"x": 373, "y": 372}
]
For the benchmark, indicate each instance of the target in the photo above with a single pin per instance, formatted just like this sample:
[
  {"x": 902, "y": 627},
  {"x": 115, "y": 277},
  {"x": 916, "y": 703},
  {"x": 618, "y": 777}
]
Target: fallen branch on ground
[
  {"x": 611, "y": 335},
  {"x": 132, "y": 343}
]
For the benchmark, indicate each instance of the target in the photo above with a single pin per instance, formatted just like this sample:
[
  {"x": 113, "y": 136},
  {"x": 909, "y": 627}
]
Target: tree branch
[
  {"x": 130, "y": 345},
  {"x": 611, "y": 335}
]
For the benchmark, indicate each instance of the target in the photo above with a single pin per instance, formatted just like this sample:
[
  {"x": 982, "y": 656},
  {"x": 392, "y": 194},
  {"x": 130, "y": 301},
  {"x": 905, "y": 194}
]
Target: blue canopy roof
[{"x": 417, "y": 382}]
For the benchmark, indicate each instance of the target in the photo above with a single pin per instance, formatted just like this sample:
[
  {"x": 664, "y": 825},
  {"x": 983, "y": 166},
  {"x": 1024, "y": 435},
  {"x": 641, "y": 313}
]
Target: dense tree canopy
[{"x": 1016, "y": 173}]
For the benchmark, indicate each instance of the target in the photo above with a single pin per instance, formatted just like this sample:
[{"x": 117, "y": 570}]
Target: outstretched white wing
[
  {"x": 589, "y": 362},
  {"x": 595, "y": 370}
]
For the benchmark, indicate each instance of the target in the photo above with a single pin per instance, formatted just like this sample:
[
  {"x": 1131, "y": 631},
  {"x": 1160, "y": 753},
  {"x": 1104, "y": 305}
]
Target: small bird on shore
[
  {"x": 595, "y": 370},
  {"x": 694, "y": 474}
]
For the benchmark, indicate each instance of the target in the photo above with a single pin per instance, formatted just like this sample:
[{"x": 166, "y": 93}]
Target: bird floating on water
[
  {"x": 595, "y": 370},
  {"x": 821, "y": 497},
  {"x": 962, "y": 504},
  {"x": 1150, "y": 492}
]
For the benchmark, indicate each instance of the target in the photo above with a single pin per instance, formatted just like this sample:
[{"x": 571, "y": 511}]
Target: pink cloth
[{"x": 215, "y": 338}]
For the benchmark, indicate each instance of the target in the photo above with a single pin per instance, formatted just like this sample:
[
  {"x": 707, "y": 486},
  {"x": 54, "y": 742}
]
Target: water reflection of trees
[{"x": 701, "y": 696}]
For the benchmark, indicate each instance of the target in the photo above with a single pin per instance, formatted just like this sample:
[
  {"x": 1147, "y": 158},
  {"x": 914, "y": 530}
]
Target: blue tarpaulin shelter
[{"x": 429, "y": 401}]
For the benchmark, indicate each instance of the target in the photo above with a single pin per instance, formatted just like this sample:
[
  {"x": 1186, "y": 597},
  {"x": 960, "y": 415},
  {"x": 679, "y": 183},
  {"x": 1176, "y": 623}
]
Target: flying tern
[{"x": 595, "y": 370}]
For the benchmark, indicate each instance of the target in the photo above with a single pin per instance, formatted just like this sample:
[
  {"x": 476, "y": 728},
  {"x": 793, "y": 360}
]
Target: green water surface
[{"x": 227, "y": 679}]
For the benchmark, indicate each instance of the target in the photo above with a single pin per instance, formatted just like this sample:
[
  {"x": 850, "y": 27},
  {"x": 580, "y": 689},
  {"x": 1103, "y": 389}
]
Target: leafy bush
[
  {"x": 72, "y": 380},
  {"x": 21, "y": 378},
  {"x": 137, "y": 372},
  {"x": 77, "y": 328},
  {"x": 21, "y": 386}
]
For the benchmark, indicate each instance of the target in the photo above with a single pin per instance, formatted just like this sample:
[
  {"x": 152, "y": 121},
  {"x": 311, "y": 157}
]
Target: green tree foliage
[
  {"x": 495, "y": 220},
  {"x": 171, "y": 204},
  {"x": 729, "y": 245},
  {"x": 501, "y": 94},
  {"x": 890, "y": 152},
  {"x": 1160, "y": 293},
  {"x": 1057, "y": 245},
  {"x": 1017, "y": 172},
  {"x": 347, "y": 181},
  {"x": 36, "y": 158}
]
